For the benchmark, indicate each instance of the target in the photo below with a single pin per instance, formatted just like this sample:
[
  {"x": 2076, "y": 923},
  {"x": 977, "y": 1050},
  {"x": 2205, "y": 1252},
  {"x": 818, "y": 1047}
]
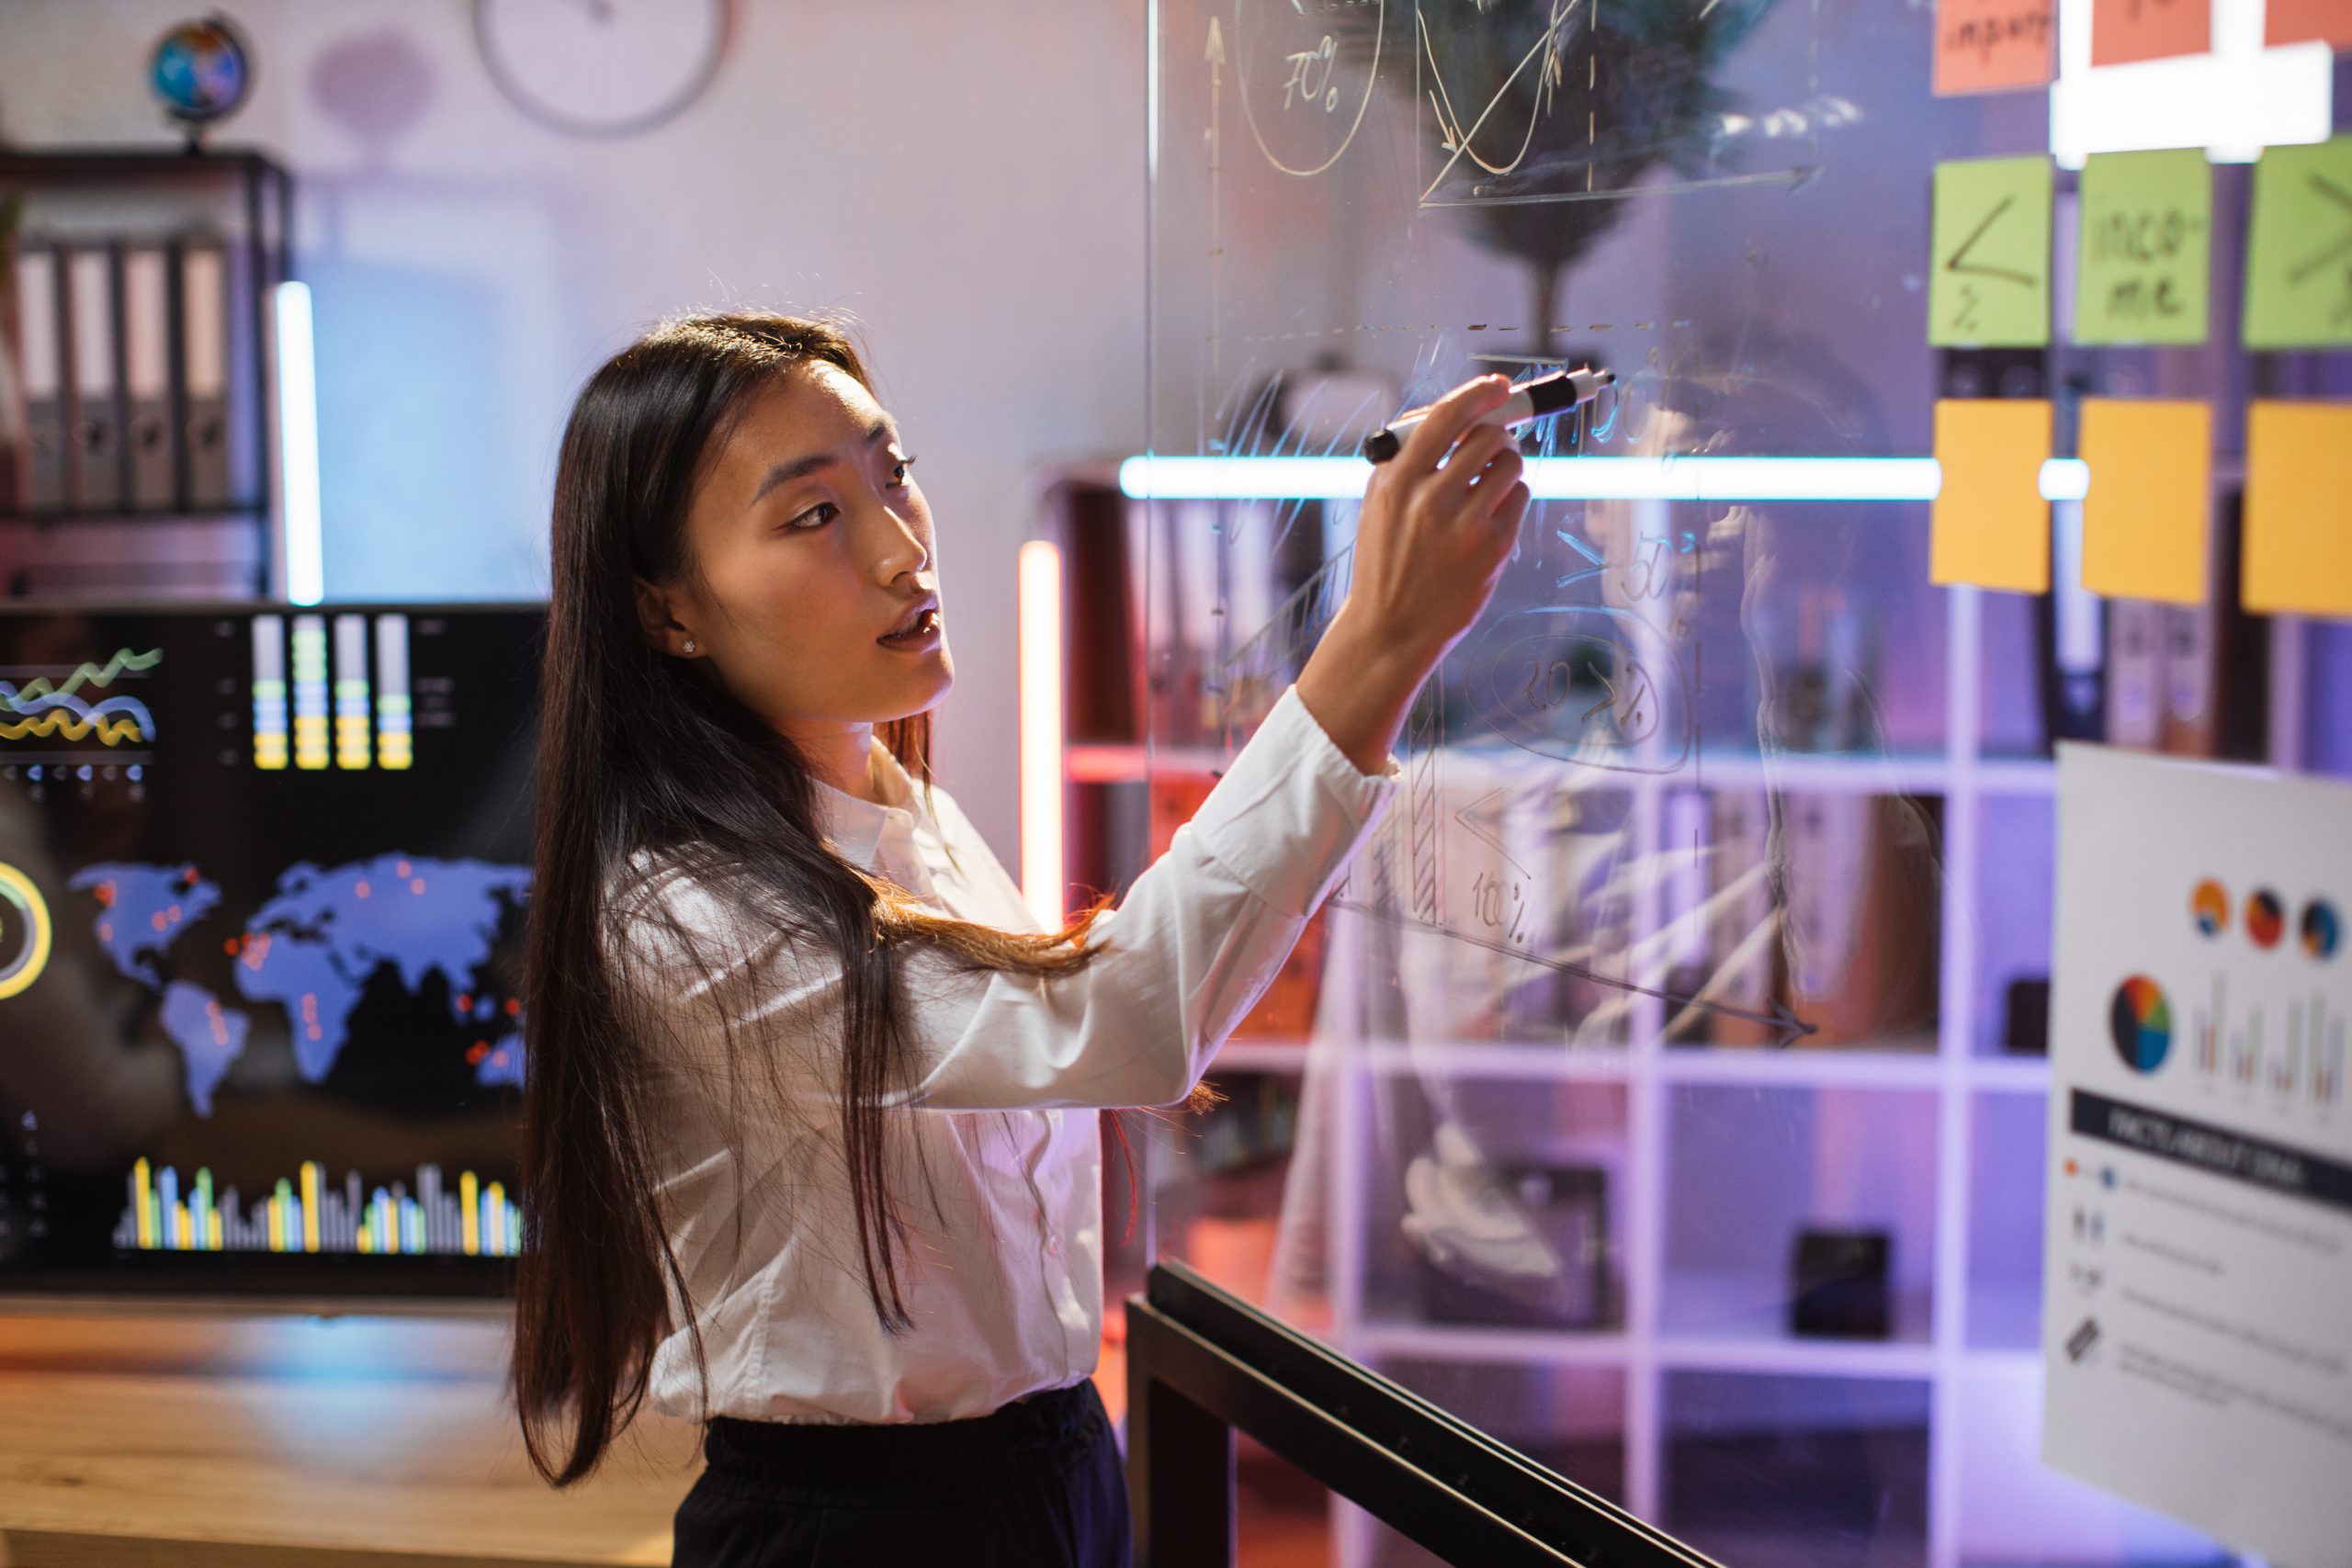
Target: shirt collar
[{"x": 859, "y": 827}]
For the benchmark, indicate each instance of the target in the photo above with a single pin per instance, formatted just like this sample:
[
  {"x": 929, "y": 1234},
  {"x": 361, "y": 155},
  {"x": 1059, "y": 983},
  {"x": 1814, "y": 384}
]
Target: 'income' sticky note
[
  {"x": 2144, "y": 518},
  {"x": 2299, "y": 248},
  {"x": 2298, "y": 554},
  {"x": 2298, "y": 21},
  {"x": 2146, "y": 247},
  {"x": 1990, "y": 525},
  {"x": 1987, "y": 46},
  {"x": 2126, "y": 30},
  {"x": 1988, "y": 275}
]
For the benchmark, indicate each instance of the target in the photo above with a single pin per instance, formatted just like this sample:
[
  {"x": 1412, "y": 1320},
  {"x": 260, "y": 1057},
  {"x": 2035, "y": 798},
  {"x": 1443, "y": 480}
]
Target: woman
[{"x": 810, "y": 1150}]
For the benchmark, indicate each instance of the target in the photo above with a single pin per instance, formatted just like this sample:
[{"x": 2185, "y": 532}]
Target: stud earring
[{"x": 690, "y": 645}]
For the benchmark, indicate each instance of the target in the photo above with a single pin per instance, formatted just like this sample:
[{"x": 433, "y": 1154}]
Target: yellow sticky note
[
  {"x": 1991, "y": 526},
  {"x": 2298, "y": 556},
  {"x": 2145, "y": 515}
]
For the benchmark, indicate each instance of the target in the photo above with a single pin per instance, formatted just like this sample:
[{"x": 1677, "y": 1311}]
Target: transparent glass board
[{"x": 1648, "y": 1093}]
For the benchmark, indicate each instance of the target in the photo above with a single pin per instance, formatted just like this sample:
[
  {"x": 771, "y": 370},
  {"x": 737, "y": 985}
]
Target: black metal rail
[{"x": 1203, "y": 1363}]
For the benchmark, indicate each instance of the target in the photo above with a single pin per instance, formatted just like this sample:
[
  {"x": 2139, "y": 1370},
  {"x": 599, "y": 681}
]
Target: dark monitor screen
[{"x": 261, "y": 885}]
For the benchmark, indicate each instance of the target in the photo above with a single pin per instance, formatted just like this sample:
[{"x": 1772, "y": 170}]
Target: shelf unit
[
  {"x": 243, "y": 199},
  {"x": 1966, "y": 1347},
  {"x": 1948, "y": 1076}
]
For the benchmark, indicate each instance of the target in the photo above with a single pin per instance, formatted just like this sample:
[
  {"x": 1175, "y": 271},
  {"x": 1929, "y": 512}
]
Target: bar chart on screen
[
  {"x": 304, "y": 1214},
  {"x": 313, "y": 684}
]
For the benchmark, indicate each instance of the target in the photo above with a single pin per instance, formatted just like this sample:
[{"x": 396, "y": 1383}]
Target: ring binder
[
  {"x": 95, "y": 456},
  {"x": 40, "y": 350},
  {"x": 147, "y": 378},
  {"x": 204, "y": 371},
  {"x": 137, "y": 397}
]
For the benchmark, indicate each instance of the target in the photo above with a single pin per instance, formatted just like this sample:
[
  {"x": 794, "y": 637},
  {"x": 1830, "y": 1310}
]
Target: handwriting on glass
[{"x": 1311, "y": 76}]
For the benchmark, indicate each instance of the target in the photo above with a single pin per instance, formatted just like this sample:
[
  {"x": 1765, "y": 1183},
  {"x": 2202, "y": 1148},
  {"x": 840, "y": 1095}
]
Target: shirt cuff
[{"x": 1290, "y": 811}]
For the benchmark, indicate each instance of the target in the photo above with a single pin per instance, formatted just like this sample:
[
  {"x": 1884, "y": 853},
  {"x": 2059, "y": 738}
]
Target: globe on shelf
[{"x": 201, "y": 72}]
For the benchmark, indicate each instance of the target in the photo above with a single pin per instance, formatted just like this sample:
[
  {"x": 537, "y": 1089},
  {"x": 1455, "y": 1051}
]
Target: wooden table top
[{"x": 206, "y": 1441}]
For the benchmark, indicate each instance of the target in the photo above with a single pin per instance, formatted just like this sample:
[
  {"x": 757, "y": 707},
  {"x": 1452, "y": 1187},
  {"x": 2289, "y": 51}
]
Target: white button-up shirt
[{"x": 998, "y": 1168}]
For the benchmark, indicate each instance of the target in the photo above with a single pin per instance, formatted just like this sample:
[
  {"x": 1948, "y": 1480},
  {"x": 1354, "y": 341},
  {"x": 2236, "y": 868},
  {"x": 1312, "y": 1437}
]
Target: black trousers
[{"x": 1036, "y": 1484}]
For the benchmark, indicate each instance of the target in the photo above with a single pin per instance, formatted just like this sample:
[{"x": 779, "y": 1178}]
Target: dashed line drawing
[{"x": 1793, "y": 178}]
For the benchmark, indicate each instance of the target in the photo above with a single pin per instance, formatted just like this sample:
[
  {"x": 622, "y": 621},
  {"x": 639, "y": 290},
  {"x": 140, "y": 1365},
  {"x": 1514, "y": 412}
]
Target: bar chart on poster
[{"x": 1663, "y": 1087}]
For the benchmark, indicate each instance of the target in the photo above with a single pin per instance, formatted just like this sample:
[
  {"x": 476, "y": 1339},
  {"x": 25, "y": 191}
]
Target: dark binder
[
  {"x": 40, "y": 351},
  {"x": 204, "y": 371},
  {"x": 2135, "y": 671},
  {"x": 93, "y": 316},
  {"x": 147, "y": 378}
]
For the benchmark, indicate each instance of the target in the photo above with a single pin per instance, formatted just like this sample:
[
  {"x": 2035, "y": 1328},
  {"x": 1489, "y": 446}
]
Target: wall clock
[{"x": 601, "y": 68}]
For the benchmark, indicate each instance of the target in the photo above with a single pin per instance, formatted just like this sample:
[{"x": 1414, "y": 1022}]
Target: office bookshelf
[
  {"x": 1963, "y": 1352},
  {"x": 240, "y": 200}
]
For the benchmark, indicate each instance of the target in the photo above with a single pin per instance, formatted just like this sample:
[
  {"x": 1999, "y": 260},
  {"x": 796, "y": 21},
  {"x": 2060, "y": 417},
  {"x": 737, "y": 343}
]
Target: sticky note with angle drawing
[
  {"x": 1988, "y": 260},
  {"x": 2298, "y": 556},
  {"x": 1990, "y": 525},
  {"x": 2145, "y": 516}
]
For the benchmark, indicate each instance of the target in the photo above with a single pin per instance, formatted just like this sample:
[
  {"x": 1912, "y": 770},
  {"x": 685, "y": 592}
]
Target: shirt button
[{"x": 1054, "y": 1244}]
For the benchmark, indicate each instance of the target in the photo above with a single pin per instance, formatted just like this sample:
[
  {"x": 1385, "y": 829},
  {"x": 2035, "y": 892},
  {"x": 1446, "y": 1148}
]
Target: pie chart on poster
[
  {"x": 2210, "y": 904},
  {"x": 2265, "y": 917},
  {"x": 2140, "y": 1022},
  {"x": 2323, "y": 930}
]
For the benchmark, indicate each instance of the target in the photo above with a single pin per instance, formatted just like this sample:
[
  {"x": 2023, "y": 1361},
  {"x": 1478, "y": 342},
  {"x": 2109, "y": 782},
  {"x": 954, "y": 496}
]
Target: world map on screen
[{"x": 311, "y": 948}]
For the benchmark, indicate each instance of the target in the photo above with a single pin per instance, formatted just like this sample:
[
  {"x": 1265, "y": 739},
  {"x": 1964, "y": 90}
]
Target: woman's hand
[{"x": 1430, "y": 545}]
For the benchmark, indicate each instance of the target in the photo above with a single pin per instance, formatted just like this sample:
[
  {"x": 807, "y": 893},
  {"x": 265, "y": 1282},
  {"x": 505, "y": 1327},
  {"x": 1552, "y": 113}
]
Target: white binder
[
  {"x": 147, "y": 378},
  {"x": 204, "y": 371},
  {"x": 94, "y": 460},
  {"x": 41, "y": 358}
]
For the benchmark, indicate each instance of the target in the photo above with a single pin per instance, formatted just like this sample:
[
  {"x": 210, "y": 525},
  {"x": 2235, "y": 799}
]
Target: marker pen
[{"x": 1543, "y": 398}]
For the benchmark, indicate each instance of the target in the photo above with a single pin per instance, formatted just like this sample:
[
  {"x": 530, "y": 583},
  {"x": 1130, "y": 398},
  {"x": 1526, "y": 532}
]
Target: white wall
[{"x": 968, "y": 179}]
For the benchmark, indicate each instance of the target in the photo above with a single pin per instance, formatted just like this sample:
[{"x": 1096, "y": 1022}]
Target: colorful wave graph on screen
[
  {"x": 303, "y": 1213},
  {"x": 118, "y": 722},
  {"x": 45, "y": 709}
]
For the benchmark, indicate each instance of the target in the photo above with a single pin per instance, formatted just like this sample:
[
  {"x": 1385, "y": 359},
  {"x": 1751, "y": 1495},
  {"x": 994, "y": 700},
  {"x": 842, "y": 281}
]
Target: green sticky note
[
  {"x": 2299, "y": 248},
  {"x": 2146, "y": 252},
  {"x": 1988, "y": 278}
]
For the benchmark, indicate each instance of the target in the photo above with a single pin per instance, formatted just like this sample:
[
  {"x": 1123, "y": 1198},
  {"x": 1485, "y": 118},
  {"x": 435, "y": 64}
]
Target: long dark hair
[{"x": 644, "y": 752}]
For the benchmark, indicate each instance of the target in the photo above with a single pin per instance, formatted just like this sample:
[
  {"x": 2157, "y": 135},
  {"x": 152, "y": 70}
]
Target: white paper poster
[{"x": 2196, "y": 1286}]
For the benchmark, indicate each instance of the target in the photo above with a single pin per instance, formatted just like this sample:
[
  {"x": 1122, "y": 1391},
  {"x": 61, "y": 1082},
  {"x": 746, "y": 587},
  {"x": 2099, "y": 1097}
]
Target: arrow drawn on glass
[
  {"x": 1489, "y": 836},
  {"x": 1216, "y": 56},
  {"x": 1786, "y": 1027}
]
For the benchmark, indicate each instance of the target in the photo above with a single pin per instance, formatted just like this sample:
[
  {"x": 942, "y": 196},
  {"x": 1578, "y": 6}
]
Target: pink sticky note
[
  {"x": 1991, "y": 46},
  {"x": 2126, "y": 30},
  {"x": 2300, "y": 21}
]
